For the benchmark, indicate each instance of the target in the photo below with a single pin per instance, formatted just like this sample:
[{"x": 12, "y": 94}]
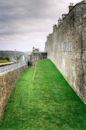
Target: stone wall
[
  {"x": 66, "y": 47},
  {"x": 7, "y": 83}
]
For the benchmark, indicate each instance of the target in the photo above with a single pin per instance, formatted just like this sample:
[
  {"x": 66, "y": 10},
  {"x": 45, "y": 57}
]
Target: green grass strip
[{"x": 45, "y": 103}]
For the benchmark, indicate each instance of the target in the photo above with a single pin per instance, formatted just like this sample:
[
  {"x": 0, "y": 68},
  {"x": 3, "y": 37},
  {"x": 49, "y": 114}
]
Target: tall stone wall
[
  {"x": 66, "y": 47},
  {"x": 7, "y": 83}
]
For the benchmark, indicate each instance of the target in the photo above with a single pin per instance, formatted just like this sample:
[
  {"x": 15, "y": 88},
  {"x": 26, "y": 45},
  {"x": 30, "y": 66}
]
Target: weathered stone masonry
[
  {"x": 7, "y": 83},
  {"x": 66, "y": 47}
]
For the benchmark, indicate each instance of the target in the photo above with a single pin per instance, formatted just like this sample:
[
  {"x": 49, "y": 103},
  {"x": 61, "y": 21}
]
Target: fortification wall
[
  {"x": 7, "y": 83},
  {"x": 66, "y": 47}
]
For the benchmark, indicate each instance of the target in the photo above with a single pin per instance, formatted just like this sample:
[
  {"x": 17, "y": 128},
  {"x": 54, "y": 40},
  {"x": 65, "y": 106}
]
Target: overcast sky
[{"x": 26, "y": 23}]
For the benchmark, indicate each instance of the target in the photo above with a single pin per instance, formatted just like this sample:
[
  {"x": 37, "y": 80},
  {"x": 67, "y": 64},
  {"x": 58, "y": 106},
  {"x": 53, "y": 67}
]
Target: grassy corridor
[{"x": 44, "y": 101}]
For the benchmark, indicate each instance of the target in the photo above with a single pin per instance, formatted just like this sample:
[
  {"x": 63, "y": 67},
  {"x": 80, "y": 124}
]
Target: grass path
[{"x": 45, "y": 103}]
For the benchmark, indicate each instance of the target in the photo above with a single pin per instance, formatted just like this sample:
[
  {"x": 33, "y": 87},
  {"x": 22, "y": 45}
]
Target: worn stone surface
[
  {"x": 7, "y": 82},
  {"x": 66, "y": 47}
]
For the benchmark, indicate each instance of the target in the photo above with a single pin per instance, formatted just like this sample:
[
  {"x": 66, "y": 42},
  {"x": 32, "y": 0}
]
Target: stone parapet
[{"x": 7, "y": 83}]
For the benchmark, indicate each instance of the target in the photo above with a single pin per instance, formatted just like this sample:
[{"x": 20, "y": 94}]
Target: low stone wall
[{"x": 7, "y": 83}]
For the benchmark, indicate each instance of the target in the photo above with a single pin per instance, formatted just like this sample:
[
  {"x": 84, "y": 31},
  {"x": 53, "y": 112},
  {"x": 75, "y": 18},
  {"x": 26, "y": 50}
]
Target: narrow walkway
[{"x": 45, "y": 103}]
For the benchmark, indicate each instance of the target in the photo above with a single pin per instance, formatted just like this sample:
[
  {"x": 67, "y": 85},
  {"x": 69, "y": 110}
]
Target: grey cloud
[
  {"x": 12, "y": 11},
  {"x": 21, "y": 8},
  {"x": 28, "y": 17}
]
